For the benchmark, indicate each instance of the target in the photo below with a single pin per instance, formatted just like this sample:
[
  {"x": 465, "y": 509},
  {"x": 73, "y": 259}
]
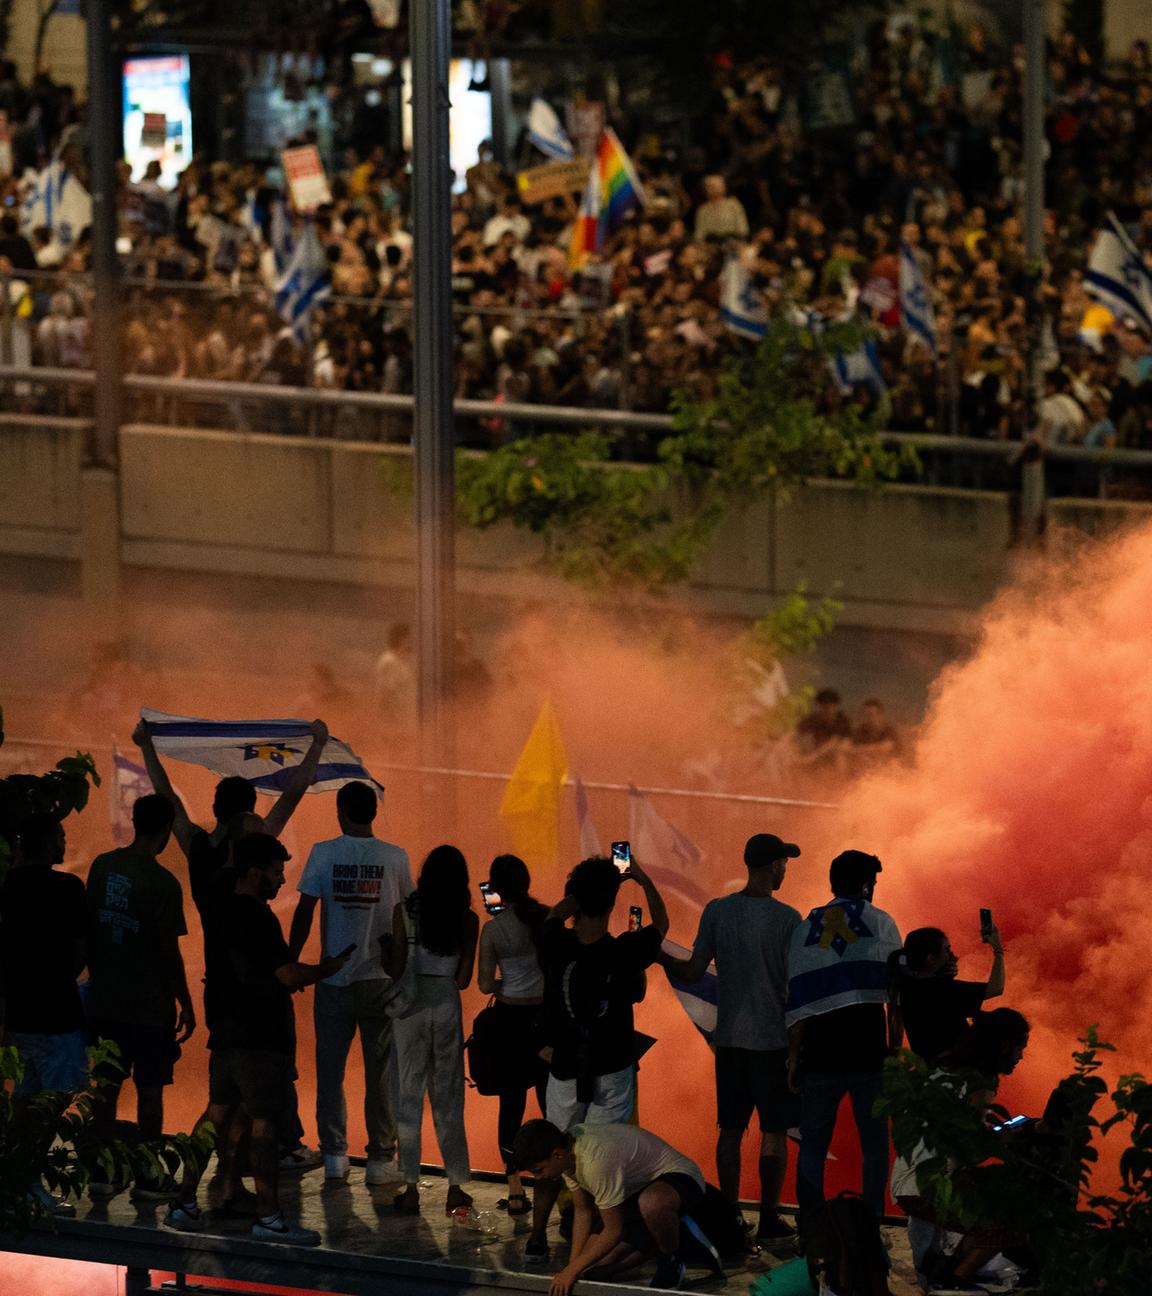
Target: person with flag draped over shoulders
[
  {"x": 748, "y": 935},
  {"x": 841, "y": 1026}
]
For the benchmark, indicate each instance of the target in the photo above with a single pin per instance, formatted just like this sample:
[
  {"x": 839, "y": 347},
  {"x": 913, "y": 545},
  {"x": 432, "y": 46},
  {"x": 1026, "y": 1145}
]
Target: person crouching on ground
[{"x": 641, "y": 1186}]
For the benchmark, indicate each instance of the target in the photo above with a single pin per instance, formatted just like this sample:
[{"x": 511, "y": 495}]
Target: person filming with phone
[
  {"x": 592, "y": 979},
  {"x": 935, "y": 1005},
  {"x": 509, "y": 969}
]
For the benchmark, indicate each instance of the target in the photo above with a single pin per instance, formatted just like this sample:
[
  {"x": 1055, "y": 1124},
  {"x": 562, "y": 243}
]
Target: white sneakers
[
  {"x": 380, "y": 1171},
  {"x": 335, "y": 1166}
]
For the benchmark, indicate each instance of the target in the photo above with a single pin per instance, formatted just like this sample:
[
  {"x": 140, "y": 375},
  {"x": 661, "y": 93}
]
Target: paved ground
[{"x": 357, "y": 1221}]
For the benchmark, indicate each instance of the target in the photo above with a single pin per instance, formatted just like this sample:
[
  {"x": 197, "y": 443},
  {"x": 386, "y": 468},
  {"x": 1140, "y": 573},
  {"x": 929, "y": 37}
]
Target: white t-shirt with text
[{"x": 359, "y": 881}]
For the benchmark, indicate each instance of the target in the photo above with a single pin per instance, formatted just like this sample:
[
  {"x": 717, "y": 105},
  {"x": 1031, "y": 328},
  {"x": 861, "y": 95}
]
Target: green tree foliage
[
  {"x": 791, "y": 630},
  {"x": 61, "y": 791},
  {"x": 1037, "y": 1184},
  {"x": 48, "y": 1140},
  {"x": 770, "y": 428}
]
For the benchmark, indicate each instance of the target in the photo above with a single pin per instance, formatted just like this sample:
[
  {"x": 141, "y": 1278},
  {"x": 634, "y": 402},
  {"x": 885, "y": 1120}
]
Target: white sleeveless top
[{"x": 520, "y": 973}]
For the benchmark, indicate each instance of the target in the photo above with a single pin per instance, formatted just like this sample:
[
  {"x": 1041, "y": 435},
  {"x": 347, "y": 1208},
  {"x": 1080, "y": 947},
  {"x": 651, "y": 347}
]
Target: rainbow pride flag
[{"x": 612, "y": 191}]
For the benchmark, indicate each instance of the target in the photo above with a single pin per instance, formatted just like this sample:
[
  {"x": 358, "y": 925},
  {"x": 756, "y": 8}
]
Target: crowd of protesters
[
  {"x": 806, "y": 1011},
  {"x": 928, "y": 153}
]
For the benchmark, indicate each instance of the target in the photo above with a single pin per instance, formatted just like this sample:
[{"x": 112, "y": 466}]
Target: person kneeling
[{"x": 641, "y": 1186}]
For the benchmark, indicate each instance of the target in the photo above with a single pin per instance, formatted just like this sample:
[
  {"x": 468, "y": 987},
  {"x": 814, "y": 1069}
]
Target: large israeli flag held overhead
[
  {"x": 916, "y": 299},
  {"x": 262, "y": 752},
  {"x": 1118, "y": 278},
  {"x": 742, "y": 305},
  {"x": 545, "y": 131},
  {"x": 305, "y": 283}
]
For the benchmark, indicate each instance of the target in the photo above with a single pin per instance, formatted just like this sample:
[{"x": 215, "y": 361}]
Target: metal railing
[{"x": 945, "y": 461}]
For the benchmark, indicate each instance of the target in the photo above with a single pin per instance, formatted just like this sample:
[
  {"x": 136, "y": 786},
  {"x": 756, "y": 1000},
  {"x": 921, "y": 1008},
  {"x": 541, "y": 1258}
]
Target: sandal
[
  {"x": 518, "y": 1204},
  {"x": 406, "y": 1203}
]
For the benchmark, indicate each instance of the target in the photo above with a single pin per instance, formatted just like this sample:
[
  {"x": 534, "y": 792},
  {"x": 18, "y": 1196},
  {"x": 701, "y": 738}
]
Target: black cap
[{"x": 765, "y": 848}]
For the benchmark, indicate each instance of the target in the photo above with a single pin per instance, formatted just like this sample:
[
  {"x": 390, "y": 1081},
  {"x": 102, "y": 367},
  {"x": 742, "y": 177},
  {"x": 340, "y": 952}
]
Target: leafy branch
[
  {"x": 1036, "y": 1185},
  {"x": 48, "y": 1139},
  {"x": 771, "y": 427},
  {"x": 60, "y": 791}
]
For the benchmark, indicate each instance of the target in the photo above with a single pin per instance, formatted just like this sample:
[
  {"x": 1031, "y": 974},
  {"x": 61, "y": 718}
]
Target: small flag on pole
[
  {"x": 530, "y": 808},
  {"x": 742, "y": 305},
  {"x": 916, "y": 299},
  {"x": 263, "y": 752},
  {"x": 612, "y": 191},
  {"x": 859, "y": 367},
  {"x": 1118, "y": 278},
  {"x": 546, "y": 132},
  {"x": 55, "y": 199},
  {"x": 305, "y": 283},
  {"x": 670, "y": 858},
  {"x": 280, "y": 236},
  {"x": 130, "y": 781},
  {"x": 589, "y": 837}
]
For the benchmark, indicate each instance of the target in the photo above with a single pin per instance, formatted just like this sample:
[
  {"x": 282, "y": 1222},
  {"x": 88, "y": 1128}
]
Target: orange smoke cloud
[{"x": 1028, "y": 792}]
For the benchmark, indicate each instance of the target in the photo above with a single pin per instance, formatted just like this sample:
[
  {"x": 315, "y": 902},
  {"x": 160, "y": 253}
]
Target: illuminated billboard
[{"x": 157, "y": 115}]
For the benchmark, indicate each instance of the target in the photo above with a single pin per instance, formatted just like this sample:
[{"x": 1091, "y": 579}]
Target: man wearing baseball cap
[{"x": 747, "y": 935}]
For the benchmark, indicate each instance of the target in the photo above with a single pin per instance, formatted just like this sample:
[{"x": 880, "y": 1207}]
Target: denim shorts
[{"x": 51, "y": 1062}]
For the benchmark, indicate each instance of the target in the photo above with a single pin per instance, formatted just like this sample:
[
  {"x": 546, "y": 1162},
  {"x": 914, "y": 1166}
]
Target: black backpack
[
  {"x": 486, "y": 1050},
  {"x": 842, "y": 1240}
]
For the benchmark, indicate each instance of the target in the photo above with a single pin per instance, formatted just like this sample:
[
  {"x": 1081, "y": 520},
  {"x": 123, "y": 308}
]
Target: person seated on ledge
[{"x": 641, "y": 1186}]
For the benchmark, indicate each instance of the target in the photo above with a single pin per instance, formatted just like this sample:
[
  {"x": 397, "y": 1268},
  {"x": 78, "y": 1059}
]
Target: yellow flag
[{"x": 531, "y": 805}]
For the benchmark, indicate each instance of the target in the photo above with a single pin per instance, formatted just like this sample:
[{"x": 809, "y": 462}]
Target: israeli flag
[
  {"x": 742, "y": 306},
  {"x": 1117, "y": 276},
  {"x": 55, "y": 199},
  {"x": 306, "y": 281},
  {"x": 280, "y": 236},
  {"x": 697, "y": 998},
  {"x": 916, "y": 299},
  {"x": 545, "y": 131},
  {"x": 131, "y": 782},
  {"x": 861, "y": 366},
  {"x": 262, "y": 752}
]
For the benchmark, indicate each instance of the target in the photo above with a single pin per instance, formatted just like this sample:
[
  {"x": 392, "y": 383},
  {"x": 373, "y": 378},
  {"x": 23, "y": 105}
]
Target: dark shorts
[
  {"x": 147, "y": 1053},
  {"x": 258, "y": 1079},
  {"x": 754, "y": 1080},
  {"x": 635, "y": 1230}
]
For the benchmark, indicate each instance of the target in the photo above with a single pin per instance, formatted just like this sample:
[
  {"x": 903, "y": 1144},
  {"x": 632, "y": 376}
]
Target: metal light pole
[
  {"x": 431, "y": 38},
  {"x": 1035, "y": 75},
  {"x": 104, "y": 116}
]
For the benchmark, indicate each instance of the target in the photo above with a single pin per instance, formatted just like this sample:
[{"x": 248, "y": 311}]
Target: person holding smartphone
[
  {"x": 509, "y": 969},
  {"x": 935, "y": 1005},
  {"x": 356, "y": 881},
  {"x": 592, "y": 980}
]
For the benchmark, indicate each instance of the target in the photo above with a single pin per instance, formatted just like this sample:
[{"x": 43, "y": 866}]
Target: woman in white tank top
[
  {"x": 510, "y": 970},
  {"x": 428, "y": 1040}
]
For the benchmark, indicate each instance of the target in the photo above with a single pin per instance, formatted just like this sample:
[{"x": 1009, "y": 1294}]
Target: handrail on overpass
[{"x": 514, "y": 412}]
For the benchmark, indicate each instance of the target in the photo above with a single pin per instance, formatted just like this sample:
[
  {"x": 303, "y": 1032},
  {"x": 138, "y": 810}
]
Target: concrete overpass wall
[{"x": 903, "y": 558}]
